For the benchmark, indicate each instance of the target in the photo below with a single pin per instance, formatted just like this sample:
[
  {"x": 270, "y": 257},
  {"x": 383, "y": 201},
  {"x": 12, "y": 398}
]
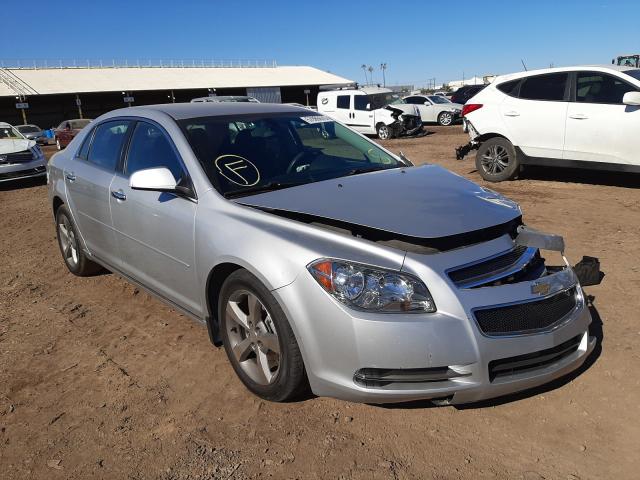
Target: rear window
[
  {"x": 510, "y": 88},
  {"x": 550, "y": 87},
  {"x": 343, "y": 101}
]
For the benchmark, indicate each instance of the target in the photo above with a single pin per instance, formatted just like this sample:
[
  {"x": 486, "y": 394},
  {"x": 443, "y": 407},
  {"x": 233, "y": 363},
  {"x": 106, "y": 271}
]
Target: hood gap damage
[{"x": 397, "y": 241}]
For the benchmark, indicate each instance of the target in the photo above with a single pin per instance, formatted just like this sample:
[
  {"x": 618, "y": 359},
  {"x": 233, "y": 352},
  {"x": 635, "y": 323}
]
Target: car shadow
[
  {"x": 595, "y": 329},
  {"x": 576, "y": 175},
  {"x": 22, "y": 184}
]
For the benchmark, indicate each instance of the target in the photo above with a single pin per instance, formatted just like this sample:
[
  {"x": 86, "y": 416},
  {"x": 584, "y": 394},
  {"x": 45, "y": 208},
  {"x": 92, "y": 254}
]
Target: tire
[
  {"x": 384, "y": 132},
  {"x": 445, "y": 119},
  {"x": 58, "y": 144},
  {"x": 252, "y": 326},
  {"x": 74, "y": 257},
  {"x": 497, "y": 161}
]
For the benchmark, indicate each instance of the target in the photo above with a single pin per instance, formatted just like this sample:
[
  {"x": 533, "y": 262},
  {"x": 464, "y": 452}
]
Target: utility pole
[{"x": 383, "y": 67}]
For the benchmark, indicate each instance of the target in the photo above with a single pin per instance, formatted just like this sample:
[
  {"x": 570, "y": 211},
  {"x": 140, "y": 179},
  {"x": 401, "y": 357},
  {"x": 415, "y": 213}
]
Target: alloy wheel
[
  {"x": 253, "y": 337},
  {"x": 495, "y": 160},
  {"x": 68, "y": 241},
  {"x": 383, "y": 132},
  {"x": 446, "y": 119}
]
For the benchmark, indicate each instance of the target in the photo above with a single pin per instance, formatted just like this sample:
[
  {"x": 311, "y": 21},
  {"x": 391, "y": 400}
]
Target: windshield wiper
[{"x": 267, "y": 187}]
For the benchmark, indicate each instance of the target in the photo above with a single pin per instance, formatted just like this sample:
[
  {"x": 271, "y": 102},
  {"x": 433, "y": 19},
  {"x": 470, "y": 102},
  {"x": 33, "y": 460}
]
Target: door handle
[
  {"x": 71, "y": 177},
  {"x": 511, "y": 114},
  {"x": 118, "y": 195},
  {"x": 578, "y": 116}
]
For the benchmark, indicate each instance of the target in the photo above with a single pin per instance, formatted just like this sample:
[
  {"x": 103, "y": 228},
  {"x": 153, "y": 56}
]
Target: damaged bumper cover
[
  {"x": 485, "y": 340},
  {"x": 473, "y": 144}
]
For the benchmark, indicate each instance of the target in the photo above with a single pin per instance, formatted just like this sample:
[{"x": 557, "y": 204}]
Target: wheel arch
[
  {"x": 56, "y": 204},
  {"x": 216, "y": 278}
]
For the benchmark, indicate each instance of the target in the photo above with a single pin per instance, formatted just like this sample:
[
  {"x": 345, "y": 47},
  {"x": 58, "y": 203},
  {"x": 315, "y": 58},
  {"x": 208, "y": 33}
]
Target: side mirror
[
  {"x": 154, "y": 179},
  {"x": 631, "y": 98}
]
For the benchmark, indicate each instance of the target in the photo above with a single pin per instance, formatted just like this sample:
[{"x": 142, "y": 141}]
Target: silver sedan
[{"x": 316, "y": 257}]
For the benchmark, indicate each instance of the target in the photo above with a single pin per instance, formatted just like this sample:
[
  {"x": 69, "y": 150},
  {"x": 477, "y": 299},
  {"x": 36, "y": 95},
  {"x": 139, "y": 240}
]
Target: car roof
[
  {"x": 181, "y": 111},
  {"x": 5, "y": 125},
  {"x": 598, "y": 68}
]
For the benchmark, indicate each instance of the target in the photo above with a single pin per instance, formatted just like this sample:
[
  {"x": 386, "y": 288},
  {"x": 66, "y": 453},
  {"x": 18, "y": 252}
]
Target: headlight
[{"x": 371, "y": 288}]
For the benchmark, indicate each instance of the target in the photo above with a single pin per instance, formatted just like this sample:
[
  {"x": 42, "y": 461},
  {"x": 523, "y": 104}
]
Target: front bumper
[
  {"x": 17, "y": 171},
  {"x": 338, "y": 343}
]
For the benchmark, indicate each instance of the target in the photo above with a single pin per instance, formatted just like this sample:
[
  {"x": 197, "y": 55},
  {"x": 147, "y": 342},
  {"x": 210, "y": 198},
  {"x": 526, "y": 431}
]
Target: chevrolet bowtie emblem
[{"x": 541, "y": 288}]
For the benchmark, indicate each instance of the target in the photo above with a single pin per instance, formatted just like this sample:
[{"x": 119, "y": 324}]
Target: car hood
[
  {"x": 421, "y": 202},
  {"x": 12, "y": 145}
]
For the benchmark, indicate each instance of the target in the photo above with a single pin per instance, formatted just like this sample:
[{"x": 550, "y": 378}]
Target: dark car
[
  {"x": 465, "y": 92},
  {"x": 68, "y": 129}
]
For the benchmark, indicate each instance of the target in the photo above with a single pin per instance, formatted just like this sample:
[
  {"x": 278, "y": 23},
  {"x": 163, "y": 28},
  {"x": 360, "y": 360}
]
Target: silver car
[
  {"x": 20, "y": 157},
  {"x": 318, "y": 258}
]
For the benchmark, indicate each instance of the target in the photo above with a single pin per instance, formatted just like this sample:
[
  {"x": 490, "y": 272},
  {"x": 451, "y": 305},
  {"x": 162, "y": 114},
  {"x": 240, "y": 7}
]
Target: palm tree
[
  {"x": 364, "y": 67},
  {"x": 370, "y": 73}
]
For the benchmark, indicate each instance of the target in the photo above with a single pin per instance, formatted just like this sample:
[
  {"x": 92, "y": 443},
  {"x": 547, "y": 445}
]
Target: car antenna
[{"x": 525, "y": 67}]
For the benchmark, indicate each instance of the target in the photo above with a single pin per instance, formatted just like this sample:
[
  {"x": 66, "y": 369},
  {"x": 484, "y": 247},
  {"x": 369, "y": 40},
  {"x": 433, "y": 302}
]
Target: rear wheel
[
  {"x": 496, "y": 160},
  {"x": 445, "y": 119},
  {"x": 74, "y": 257},
  {"x": 258, "y": 339}
]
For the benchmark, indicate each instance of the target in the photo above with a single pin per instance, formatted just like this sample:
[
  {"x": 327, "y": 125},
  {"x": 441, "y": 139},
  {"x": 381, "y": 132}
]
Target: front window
[
  {"x": 629, "y": 61},
  {"x": 438, "y": 99},
  {"x": 9, "y": 132},
  {"x": 248, "y": 154},
  {"x": 596, "y": 87}
]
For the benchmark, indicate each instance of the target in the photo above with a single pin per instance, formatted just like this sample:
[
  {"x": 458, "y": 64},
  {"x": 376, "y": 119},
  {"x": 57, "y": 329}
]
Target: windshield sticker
[
  {"x": 316, "y": 119},
  {"x": 238, "y": 170}
]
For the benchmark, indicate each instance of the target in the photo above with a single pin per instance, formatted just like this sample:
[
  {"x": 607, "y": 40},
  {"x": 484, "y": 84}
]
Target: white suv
[{"x": 586, "y": 117}]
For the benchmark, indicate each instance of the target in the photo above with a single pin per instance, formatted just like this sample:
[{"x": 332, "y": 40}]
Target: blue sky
[{"x": 418, "y": 40}]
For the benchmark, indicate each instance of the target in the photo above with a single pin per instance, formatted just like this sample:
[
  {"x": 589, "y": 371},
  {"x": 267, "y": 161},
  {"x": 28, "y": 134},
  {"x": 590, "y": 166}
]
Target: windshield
[
  {"x": 633, "y": 73},
  {"x": 28, "y": 129},
  {"x": 246, "y": 154},
  {"x": 629, "y": 61},
  {"x": 10, "y": 132},
  {"x": 79, "y": 124},
  {"x": 379, "y": 100},
  {"x": 439, "y": 99}
]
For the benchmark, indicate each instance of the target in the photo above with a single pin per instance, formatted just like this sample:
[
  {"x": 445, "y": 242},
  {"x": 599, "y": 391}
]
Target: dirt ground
[{"x": 99, "y": 380}]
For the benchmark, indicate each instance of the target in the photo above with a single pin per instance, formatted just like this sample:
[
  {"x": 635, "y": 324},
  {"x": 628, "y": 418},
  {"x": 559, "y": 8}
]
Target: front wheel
[
  {"x": 445, "y": 119},
  {"x": 496, "y": 160},
  {"x": 258, "y": 339},
  {"x": 384, "y": 132}
]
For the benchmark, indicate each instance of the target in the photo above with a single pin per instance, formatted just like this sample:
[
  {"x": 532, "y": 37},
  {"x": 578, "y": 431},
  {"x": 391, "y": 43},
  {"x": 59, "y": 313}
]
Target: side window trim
[
  {"x": 88, "y": 140},
  {"x": 124, "y": 143}
]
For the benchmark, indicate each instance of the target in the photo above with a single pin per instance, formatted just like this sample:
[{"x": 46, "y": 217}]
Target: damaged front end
[{"x": 405, "y": 124}]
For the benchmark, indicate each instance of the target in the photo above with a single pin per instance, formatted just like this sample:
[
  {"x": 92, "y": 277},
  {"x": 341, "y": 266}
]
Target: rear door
[
  {"x": 600, "y": 128},
  {"x": 88, "y": 179},
  {"x": 535, "y": 118},
  {"x": 343, "y": 108},
  {"x": 154, "y": 230}
]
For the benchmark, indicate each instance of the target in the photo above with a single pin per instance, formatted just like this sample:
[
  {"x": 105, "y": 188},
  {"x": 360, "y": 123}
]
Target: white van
[{"x": 370, "y": 110}]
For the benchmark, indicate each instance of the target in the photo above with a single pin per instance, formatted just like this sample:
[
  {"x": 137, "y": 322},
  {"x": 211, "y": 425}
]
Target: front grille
[
  {"x": 18, "y": 157},
  {"x": 532, "y": 361},
  {"x": 22, "y": 173},
  {"x": 500, "y": 269},
  {"x": 526, "y": 317}
]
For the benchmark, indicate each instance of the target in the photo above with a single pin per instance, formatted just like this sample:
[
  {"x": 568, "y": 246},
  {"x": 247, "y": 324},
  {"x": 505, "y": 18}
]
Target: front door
[
  {"x": 600, "y": 128},
  {"x": 536, "y": 120},
  {"x": 361, "y": 115},
  {"x": 88, "y": 180},
  {"x": 155, "y": 230}
]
